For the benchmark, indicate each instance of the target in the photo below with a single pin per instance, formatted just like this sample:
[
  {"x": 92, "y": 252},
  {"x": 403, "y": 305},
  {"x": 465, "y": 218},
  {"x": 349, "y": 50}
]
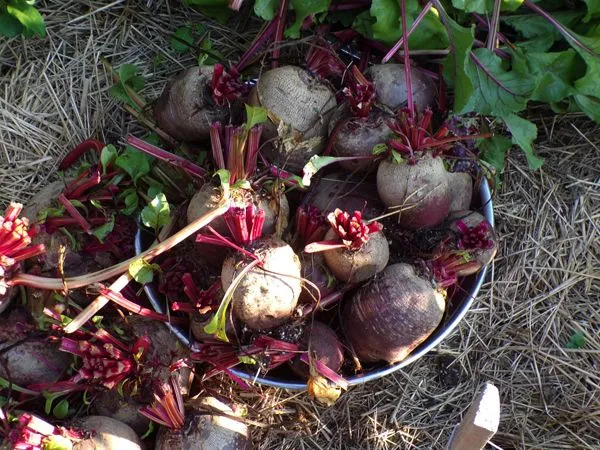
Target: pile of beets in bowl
[{"x": 351, "y": 219}]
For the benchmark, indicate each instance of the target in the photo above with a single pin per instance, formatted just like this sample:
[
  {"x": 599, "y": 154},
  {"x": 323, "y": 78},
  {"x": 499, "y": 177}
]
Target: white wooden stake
[{"x": 480, "y": 422}]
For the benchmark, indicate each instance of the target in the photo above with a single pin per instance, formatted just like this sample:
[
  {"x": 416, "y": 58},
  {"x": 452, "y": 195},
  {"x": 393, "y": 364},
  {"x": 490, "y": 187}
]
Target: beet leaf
[{"x": 304, "y": 9}]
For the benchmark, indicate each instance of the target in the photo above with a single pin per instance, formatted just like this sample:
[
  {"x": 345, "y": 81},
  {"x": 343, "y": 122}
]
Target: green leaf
[
  {"x": 9, "y": 26},
  {"x": 576, "y": 341},
  {"x": 554, "y": 73},
  {"x": 50, "y": 212},
  {"x": 266, "y": 9},
  {"x": 57, "y": 442},
  {"x": 149, "y": 431},
  {"x": 457, "y": 62},
  {"x": 499, "y": 92},
  {"x": 247, "y": 359},
  {"x": 103, "y": 230},
  {"x": 157, "y": 213},
  {"x": 593, "y": 10},
  {"x": 589, "y": 105},
  {"x": 255, "y": 115},
  {"x": 303, "y": 9},
  {"x": 378, "y": 149},
  {"x": 29, "y": 17},
  {"x": 134, "y": 162},
  {"x": 108, "y": 155},
  {"x": 217, "y": 324},
  {"x": 131, "y": 200},
  {"x": 532, "y": 26},
  {"x": 61, "y": 410},
  {"x": 142, "y": 271},
  {"x": 485, "y": 6},
  {"x": 225, "y": 178},
  {"x": 588, "y": 84},
  {"x": 182, "y": 40},
  {"x": 127, "y": 72},
  {"x": 494, "y": 150},
  {"x": 523, "y": 134},
  {"x": 386, "y": 25}
]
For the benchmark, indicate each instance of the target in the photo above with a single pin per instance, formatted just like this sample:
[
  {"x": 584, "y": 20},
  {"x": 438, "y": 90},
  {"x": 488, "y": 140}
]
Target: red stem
[
  {"x": 409, "y": 93},
  {"x": 281, "y": 19},
  {"x": 256, "y": 44},
  {"x": 77, "y": 152},
  {"x": 84, "y": 224},
  {"x": 133, "y": 307},
  {"x": 94, "y": 180},
  {"x": 414, "y": 25},
  {"x": 166, "y": 156}
]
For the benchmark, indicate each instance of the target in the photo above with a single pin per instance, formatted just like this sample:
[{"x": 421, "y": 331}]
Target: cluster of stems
[
  {"x": 235, "y": 149},
  {"x": 167, "y": 409},
  {"x": 359, "y": 92}
]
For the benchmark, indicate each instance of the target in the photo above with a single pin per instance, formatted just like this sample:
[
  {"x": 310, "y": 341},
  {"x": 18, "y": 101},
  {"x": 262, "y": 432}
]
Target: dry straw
[{"x": 546, "y": 280}]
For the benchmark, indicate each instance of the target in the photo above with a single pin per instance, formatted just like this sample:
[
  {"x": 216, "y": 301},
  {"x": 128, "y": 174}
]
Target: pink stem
[
  {"x": 256, "y": 44},
  {"x": 75, "y": 214},
  {"x": 414, "y": 25},
  {"x": 411, "y": 106},
  {"x": 281, "y": 19},
  {"x": 166, "y": 156}
]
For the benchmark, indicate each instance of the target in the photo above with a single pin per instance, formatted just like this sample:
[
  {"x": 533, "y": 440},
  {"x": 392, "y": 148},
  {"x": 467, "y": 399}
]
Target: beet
[
  {"x": 472, "y": 219},
  {"x": 185, "y": 109},
  {"x": 357, "y": 136},
  {"x": 266, "y": 296},
  {"x": 315, "y": 271},
  {"x": 26, "y": 358},
  {"x": 391, "y": 89},
  {"x": 422, "y": 188},
  {"x": 304, "y": 104},
  {"x": 461, "y": 190},
  {"x": 207, "y": 431},
  {"x": 325, "y": 345},
  {"x": 110, "y": 403},
  {"x": 354, "y": 266},
  {"x": 389, "y": 317},
  {"x": 339, "y": 190},
  {"x": 209, "y": 196},
  {"x": 106, "y": 433}
]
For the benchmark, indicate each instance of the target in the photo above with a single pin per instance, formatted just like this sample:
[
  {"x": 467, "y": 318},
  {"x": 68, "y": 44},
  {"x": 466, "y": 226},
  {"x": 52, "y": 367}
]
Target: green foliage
[
  {"x": 103, "y": 230},
  {"x": 142, "y": 271},
  {"x": 20, "y": 16},
  {"x": 304, "y": 9},
  {"x": 108, "y": 155},
  {"x": 576, "y": 341},
  {"x": 485, "y": 6},
  {"x": 134, "y": 162},
  {"x": 185, "y": 39},
  {"x": 383, "y": 23},
  {"x": 266, "y": 9},
  {"x": 129, "y": 84},
  {"x": 157, "y": 213},
  {"x": 255, "y": 115}
]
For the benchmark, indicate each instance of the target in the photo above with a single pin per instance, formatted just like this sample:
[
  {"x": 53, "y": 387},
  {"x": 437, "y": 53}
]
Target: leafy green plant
[
  {"x": 20, "y": 17},
  {"x": 533, "y": 51},
  {"x": 195, "y": 39}
]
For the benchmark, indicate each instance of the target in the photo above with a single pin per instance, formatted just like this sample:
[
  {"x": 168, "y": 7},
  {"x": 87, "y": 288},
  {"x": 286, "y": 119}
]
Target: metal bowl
[{"x": 470, "y": 287}]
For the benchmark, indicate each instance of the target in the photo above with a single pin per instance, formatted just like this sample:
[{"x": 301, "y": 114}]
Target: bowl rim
[{"x": 441, "y": 333}]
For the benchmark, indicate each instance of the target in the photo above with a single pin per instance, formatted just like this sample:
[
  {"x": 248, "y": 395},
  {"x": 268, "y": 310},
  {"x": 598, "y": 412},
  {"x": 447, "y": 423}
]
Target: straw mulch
[{"x": 545, "y": 282}]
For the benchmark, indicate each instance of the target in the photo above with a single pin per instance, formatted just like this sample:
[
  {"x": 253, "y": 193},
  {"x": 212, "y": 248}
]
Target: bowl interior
[{"x": 456, "y": 311}]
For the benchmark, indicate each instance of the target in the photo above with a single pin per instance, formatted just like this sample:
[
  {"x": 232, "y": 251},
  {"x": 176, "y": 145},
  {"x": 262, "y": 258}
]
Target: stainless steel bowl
[{"x": 470, "y": 286}]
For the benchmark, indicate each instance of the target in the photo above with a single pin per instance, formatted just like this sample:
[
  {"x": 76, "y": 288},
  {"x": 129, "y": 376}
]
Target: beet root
[
  {"x": 206, "y": 431},
  {"x": 315, "y": 271},
  {"x": 304, "y": 104},
  {"x": 461, "y": 190},
  {"x": 420, "y": 189},
  {"x": 338, "y": 190},
  {"x": 354, "y": 266},
  {"x": 185, "y": 109},
  {"x": 391, "y": 89},
  {"x": 266, "y": 296},
  {"x": 109, "y": 403},
  {"x": 208, "y": 197},
  {"x": 356, "y": 136},
  {"x": 389, "y": 317},
  {"x": 106, "y": 433},
  {"x": 26, "y": 360},
  {"x": 488, "y": 249},
  {"x": 325, "y": 346}
]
